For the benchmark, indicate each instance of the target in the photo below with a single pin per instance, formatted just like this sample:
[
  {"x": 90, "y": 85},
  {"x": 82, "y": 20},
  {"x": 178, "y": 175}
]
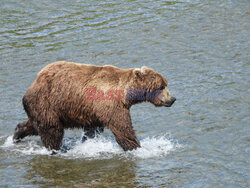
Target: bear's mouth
[{"x": 168, "y": 104}]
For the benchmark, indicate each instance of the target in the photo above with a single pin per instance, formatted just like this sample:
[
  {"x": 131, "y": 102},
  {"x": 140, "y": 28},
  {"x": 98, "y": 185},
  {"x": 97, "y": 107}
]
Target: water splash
[
  {"x": 8, "y": 142},
  {"x": 154, "y": 147},
  {"x": 98, "y": 148}
]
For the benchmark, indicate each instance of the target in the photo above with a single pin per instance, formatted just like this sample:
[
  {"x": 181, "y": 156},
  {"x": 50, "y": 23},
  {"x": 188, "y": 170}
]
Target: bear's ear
[
  {"x": 138, "y": 73},
  {"x": 145, "y": 70}
]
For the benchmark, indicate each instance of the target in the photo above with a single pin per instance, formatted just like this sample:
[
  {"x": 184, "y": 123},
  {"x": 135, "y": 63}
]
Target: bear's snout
[
  {"x": 173, "y": 99},
  {"x": 169, "y": 103}
]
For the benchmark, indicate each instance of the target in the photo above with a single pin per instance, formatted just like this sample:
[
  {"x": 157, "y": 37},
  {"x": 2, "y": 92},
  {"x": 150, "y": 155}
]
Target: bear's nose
[{"x": 173, "y": 99}]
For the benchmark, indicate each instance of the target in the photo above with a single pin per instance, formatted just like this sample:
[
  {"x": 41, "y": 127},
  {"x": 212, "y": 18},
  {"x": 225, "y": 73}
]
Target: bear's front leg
[
  {"x": 126, "y": 138},
  {"x": 121, "y": 127},
  {"x": 51, "y": 137}
]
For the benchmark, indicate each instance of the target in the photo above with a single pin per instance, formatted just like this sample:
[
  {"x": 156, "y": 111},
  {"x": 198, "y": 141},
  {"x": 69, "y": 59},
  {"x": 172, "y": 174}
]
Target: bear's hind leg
[{"x": 24, "y": 129}]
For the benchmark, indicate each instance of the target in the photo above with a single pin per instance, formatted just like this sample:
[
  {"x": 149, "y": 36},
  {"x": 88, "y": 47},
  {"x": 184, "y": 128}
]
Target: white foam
[
  {"x": 100, "y": 147},
  {"x": 154, "y": 147},
  {"x": 8, "y": 142},
  {"x": 33, "y": 149}
]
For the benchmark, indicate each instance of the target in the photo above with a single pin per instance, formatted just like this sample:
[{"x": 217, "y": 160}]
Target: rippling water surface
[{"x": 201, "y": 46}]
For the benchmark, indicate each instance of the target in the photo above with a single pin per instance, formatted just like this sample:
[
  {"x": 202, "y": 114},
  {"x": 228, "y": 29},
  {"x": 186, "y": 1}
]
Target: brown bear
[{"x": 71, "y": 95}]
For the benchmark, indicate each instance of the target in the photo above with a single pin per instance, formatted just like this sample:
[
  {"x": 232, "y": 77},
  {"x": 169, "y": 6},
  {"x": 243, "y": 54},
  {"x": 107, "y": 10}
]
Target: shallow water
[{"x": 202, "y": 48}]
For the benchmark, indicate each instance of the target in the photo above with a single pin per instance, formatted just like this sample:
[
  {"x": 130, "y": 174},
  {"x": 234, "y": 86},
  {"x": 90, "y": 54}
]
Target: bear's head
[{"x": 151, "y": 86}]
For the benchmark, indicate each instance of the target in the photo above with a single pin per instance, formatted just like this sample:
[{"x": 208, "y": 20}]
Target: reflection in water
[{"x": 52, "y": 171}]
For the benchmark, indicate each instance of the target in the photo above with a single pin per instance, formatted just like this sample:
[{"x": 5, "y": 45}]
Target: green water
[{"x": 202, "y": 48}]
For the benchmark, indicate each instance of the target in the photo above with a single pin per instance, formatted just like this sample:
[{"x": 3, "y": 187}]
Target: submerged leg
[
  {"x": 92, "y": 132},
  {"x": 24, "y": 129}
]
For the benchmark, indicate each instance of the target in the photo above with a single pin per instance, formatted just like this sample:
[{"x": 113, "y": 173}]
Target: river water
[{"x": 202, "y": 48}]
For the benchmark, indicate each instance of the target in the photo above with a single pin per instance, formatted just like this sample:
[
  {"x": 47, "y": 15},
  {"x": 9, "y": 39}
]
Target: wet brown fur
[{"x": 57, "y": 101}]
